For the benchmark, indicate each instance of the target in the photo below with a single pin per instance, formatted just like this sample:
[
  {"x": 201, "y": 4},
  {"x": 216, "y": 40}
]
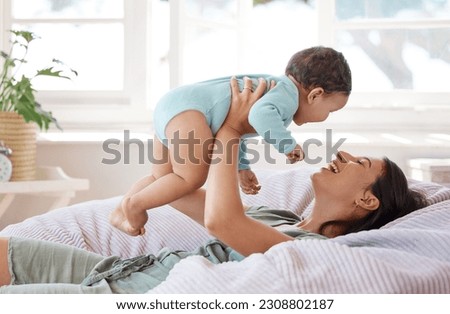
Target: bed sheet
[{"x": 409, "y": 255}]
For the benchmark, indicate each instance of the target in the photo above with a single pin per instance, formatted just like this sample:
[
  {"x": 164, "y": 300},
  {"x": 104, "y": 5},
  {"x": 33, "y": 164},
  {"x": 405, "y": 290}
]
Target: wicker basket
[{"x": 21, "y": 138}]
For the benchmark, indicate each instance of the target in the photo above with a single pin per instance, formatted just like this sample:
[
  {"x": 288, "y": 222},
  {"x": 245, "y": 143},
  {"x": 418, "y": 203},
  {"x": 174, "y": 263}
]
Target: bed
[{"x": 409, "y": 255}]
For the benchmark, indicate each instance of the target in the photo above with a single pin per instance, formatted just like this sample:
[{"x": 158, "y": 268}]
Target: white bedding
[{"x": 409, "y": 255}]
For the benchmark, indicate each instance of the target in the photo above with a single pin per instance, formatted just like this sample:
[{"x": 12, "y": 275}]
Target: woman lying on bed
[{"x": 352, "y": 194}]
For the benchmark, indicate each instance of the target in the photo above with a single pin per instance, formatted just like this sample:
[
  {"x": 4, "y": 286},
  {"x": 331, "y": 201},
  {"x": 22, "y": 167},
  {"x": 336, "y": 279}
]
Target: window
[
  {"x": 394, "y": 47},
  {"x": 225, "y": 37},
  {"x": 102, "y": 40},
  {"x": 89, "y": 35},
  {"x": 129, "y": 53},
  {"x": 399, "y": 51}
]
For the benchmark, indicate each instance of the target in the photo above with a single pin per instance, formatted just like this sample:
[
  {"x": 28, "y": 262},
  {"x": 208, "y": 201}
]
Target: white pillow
[{"x": 284, "y": 189}]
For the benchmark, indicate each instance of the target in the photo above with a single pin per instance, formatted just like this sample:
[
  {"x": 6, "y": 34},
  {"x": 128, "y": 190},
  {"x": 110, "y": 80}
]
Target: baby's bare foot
[
  {"x": 136, "y": 217},
  {"x": 118, "y": 220}
]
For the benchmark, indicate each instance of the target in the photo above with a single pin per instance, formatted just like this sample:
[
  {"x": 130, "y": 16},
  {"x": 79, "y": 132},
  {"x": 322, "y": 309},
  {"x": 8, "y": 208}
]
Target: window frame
[
  {"x": 398, "y": 98},
  {"x": 180, "y": 21},
  {"x": 390, "y": 110},
  {"x": 83, "y": 109},
  {"x": 131, "y": 109}
]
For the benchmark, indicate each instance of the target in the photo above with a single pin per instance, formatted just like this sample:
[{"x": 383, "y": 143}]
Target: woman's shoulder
[{"x": 282, "y": 219}]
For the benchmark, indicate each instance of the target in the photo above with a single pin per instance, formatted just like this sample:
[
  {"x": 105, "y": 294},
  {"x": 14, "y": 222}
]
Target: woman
[{"x": 351, "y": 194}]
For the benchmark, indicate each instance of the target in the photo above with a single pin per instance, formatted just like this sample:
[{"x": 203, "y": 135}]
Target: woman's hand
[{"x": 241, "y": 102}]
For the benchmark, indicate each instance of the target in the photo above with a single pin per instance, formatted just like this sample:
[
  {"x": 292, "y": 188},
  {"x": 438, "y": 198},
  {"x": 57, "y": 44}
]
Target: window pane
[
  {"x": 277, "y": 30},
  {"x": 273, "y": 36},
  {"x": 95, "y": 51},
  {"x": 36, "y": 9},
  {"x": 160, "y": 38},
  {"x": 217, "y": 10},
  {"x": 398, "y": 9},
  {"x": 209, "y": 53},
  {"x": 398, "y": 59}
]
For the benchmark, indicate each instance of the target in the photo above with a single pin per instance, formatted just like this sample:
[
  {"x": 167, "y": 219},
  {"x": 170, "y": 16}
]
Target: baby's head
[
  {"x": 324, "y": 78},
  {"x": 321, "y": 67}
]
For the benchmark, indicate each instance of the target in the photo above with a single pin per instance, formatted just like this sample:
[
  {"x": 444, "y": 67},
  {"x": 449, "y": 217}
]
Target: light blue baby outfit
[
  {"x": 270, "y": 115},
  {"x": 46, "y": 267}
]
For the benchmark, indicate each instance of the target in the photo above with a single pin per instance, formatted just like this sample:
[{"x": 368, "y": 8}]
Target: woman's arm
[
  {"x": 224, "y": 212},
  {"x": 193, "y": 205}
]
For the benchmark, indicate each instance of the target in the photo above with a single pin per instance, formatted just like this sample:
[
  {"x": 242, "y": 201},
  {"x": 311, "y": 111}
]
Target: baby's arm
[
  {"x": 247, "y": 178},
  {"x": 270, "y": 121},
  {"x": 244, "y": 163}
]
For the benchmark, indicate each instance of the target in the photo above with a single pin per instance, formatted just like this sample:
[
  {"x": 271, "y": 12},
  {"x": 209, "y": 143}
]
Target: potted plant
[{"x": 20, "y": 114}]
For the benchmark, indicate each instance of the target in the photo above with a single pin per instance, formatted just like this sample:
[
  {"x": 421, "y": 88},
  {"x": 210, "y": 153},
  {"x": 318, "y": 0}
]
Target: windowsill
[
  {"x": 419, "y": 127},
  {"x": 364, "y": 138},
  {"x": 89, "y": 137},
  {"x": 376, "y": 138}
]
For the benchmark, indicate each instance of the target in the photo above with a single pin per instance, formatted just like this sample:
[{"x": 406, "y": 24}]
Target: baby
[{"x": 317, "y": 81}]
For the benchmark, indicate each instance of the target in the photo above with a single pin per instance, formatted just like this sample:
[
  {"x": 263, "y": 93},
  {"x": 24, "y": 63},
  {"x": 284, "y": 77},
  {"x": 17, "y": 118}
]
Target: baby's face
[{"x": 319, "y": 108}]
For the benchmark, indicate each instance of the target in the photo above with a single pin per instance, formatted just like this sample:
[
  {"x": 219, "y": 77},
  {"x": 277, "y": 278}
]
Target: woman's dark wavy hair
[
  {"x": 321, "y": 67},
  {"x": 396, "y": 199}
]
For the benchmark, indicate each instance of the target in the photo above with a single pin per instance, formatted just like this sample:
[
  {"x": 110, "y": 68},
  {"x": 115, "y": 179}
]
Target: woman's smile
[{"x": 333, "y": 167}]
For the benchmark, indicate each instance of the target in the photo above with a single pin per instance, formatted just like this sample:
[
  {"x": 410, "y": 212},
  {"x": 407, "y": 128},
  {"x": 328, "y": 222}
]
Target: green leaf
[
  {"x": 28, "y": 36},
  {"x": 48, "y": 116},
  {"x": 26, "y": 109},
  {"x": 51, "y": 72},
  {"x": 56, "y": 61},
  {"x": 17, "y": 94}
]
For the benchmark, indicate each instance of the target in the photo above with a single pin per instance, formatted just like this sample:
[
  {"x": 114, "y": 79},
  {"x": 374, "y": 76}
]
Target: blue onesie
[{"x": 270, "y": 115}]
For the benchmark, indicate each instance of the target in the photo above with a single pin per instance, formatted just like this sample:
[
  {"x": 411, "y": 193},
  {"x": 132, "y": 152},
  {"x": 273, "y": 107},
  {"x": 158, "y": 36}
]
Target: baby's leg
[
  {"x": 190, "y": 142},
  {"x": 159, "y": 169},
  {"x": 117, "y": 216}
]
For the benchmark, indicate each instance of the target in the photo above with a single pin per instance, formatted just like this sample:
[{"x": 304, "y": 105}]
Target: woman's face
[{"x": 346, "y": 178}]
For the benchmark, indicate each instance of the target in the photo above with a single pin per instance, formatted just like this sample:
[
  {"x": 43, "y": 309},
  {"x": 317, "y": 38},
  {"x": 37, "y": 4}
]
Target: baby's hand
[
  {"x": 296, "y": 155},
  {"x": 248, "y": 181}
]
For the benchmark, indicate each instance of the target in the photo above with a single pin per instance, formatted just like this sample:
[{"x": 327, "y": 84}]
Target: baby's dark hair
[{"x": 321, "y": 67}]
